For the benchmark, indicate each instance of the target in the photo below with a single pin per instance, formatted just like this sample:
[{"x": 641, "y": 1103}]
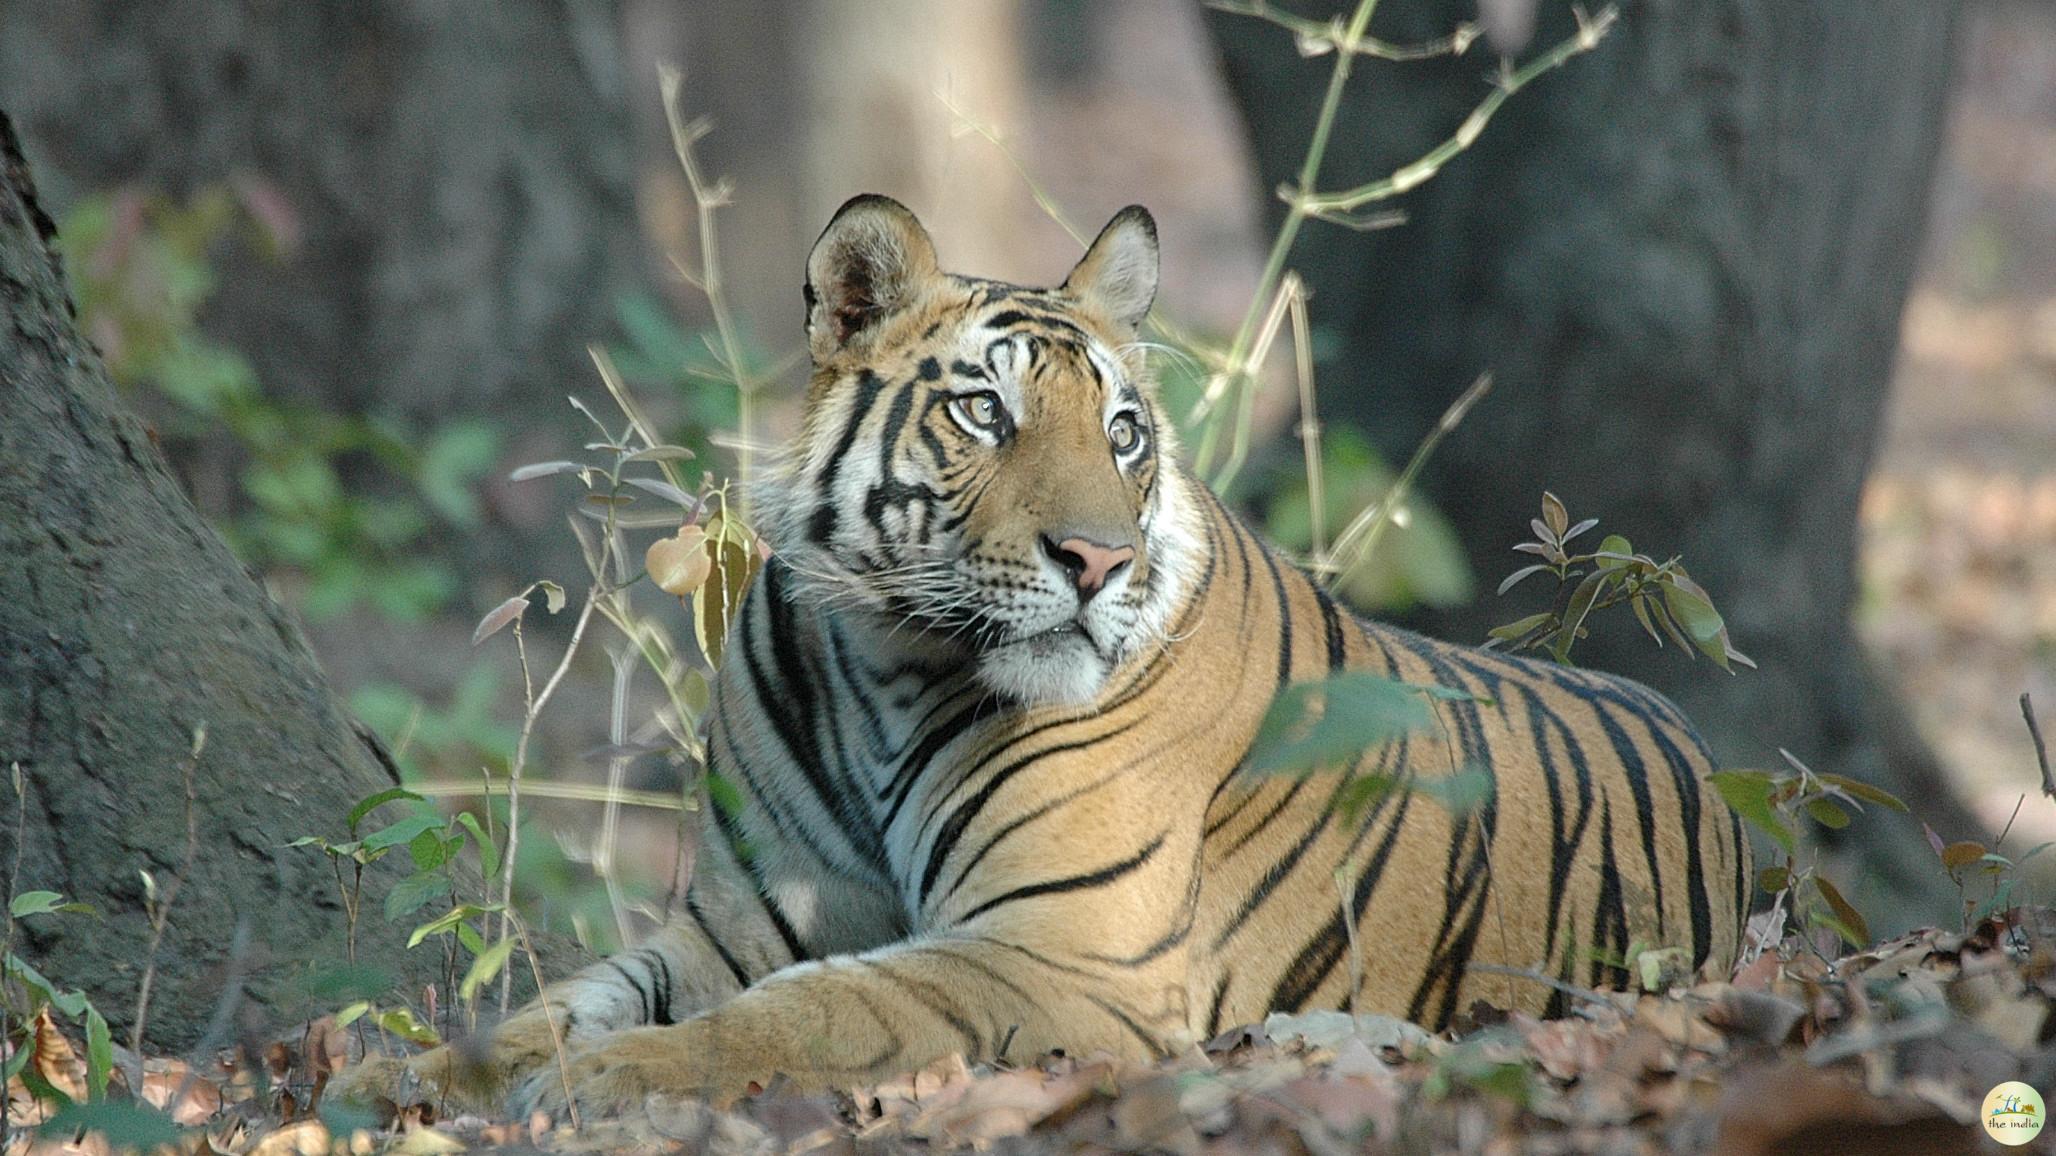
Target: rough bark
[
  {"x": 1684, "y": 259},
  {"x": 463, "y": 182},
  {"x": 125, "y": 623}
]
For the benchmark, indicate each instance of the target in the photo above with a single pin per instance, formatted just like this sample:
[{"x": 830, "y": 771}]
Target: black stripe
[
  {"x": 1609, "y": 914},
  {"x": 735, "y": 968},
  {"x": 1091, "y": 879},
  {"x": 959, "y": 819},
  {"x": 1213, "y": 1015},
  {"x": 822, "y": 525},
  {"x": 1150, "y": 1042},
  {"x": 934, "y": 999},
  {"x": 1637, "y": 776},
  {"x": 641, "y": 997}
]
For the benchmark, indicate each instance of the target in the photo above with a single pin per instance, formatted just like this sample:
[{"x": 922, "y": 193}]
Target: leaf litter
[{"x": 1890, "y": 1049}]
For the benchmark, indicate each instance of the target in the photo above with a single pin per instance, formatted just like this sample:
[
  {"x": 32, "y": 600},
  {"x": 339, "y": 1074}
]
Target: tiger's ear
[
  {"x": 870, "y": 262},
  {"x": 1118, "y": 275}
]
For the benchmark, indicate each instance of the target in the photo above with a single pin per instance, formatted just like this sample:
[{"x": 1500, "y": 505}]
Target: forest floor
[{"x": 1889, "y": 1050}]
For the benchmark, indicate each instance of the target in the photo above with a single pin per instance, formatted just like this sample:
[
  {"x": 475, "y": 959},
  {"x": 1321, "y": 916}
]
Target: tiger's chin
[{"x": 1053, "y": 668}]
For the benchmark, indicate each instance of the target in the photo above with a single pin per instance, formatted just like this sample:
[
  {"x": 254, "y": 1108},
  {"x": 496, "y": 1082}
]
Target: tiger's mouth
[{"x": 1051, "y": 641}]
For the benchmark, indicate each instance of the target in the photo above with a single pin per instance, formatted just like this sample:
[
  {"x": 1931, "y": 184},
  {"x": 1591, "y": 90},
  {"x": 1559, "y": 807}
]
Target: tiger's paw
[
  {"x": 465, "y": 1076},
  {"x": 610, "y": 1075},
  {"x": 435, "y": 1077}
]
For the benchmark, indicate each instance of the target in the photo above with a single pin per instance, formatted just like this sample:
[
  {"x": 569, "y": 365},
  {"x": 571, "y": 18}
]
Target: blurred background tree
[
  {"x": 1685, "y": 264},
  {"x": 346, "y": 260}
]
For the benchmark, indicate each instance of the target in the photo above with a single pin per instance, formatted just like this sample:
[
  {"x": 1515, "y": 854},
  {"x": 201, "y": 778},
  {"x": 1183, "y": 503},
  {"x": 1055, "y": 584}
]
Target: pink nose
[{"x": 1089, "y": 563}]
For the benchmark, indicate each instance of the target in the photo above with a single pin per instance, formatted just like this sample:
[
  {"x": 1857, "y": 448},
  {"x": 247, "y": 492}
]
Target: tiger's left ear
[{"x": 1118, "y": 275}]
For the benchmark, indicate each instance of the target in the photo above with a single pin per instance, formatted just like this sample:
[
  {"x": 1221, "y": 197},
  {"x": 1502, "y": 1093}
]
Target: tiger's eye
[
  {"x": 980, "y": 410},
  {"x": 1124, "y": 433}
]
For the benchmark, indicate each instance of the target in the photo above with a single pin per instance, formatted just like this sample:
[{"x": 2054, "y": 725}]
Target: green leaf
[
  {"x": 99, "y": 1053},
  {"x": 1519, "y": 629},
  {"x": 1748, "y": 794},
  {"x": 34, "y": 903},
  {"x": 413, "y": 893},
  {"x": 372, "y": 803},
  {"x": 1312, "y": 725},
  {"x": 1827, "y": 814},
  {"x": 1640, "y": 604},
  {"x": 1851, "y": 921},
  {"x": 488, "y": 851},
  {"x": 1694, "y": 611},
  {"x": 1514, "y": 579},
  {"x": 352, "y": 1013},
  {"x": 1865, "y": 791},
  {"x": 431, "y": 849},
  {"x": 485, "y": 968},
  {"x": 401, "y": 832},
  {"x": 1774, "y": 879},
  {"x": 1614, "y": 552},
  {"x": 126, "y": 1125},
  {"x": 401, "y": 1022},
  {"x": 449, "y": 919}
]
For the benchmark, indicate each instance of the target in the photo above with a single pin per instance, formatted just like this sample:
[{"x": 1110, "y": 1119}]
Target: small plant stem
[
  {"x": 1309, "y": 420},
  {"x": 536, "y": 702},
  {"x": 1237, "y": 372},
  {"x": 1331, "y": 206},
  {"x": 2034, "y": 732},
  {"x": 160, "y": 915},
  {"x": 542, "y": 999},
  {"x": 624, "y": 663},
  {"x": 707, "y": 197},
  {"x": 578, "y": 792},
  {"x": 1360, "y": 538},
  {"x": 1537, "y": 975}
]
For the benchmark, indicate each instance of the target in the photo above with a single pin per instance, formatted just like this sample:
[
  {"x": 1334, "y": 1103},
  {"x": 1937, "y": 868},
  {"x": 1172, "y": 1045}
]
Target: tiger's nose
[{"x": 1087, "y": 562}]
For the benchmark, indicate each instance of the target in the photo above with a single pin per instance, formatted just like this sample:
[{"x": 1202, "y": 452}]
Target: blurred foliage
[
  {"x": 451, "y": 741},
  {"x": 1421, "y": 562},
  {"x": 659, "y": 356},
  {"x": 142, "y": 273}
]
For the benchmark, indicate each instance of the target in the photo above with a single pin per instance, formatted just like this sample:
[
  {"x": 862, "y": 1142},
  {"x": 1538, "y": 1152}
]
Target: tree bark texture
[
  {"x": 462, "y": 179},
  {"x": 1683, "y": 257},
  {"x": 125, "y": 625}
]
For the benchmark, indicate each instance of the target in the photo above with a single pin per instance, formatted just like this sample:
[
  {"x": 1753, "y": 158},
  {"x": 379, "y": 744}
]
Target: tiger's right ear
[{"x": 870, "y": 262}]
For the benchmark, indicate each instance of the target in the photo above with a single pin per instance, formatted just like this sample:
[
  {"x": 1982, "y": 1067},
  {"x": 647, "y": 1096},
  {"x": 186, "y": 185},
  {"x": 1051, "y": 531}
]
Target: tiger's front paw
[
  {"x": 433, "y": 1077},
  {"x": 612, "y": 1074}
]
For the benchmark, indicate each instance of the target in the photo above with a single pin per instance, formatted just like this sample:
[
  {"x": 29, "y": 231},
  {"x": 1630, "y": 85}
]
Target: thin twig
[
  {"x": 706, "y": 198},
  {"x": 1338, "y": 205},
  {"x": 1360, "y": 539},
  {"x": 542, "y": 999},
  {"x": 535, "y": 708},
  {"x": 1309, "y": 420},
  {"x": 1317, "y": 36},
  {"x": 1236, "y": 373},
  {"x": 2034, "y": 731},
  {"x": 1536, "y": 975}
]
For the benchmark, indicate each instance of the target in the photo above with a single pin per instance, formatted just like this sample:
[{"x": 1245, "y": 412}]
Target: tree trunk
[
  {"x": 126, "y": 625},
  {"x": 1683, "y": 257},
  {"x": 462, "y": 181}
]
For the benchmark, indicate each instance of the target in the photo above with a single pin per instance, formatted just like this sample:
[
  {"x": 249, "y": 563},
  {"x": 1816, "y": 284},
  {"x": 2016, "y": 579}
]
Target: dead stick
[{"x": 2034, "y": 731}]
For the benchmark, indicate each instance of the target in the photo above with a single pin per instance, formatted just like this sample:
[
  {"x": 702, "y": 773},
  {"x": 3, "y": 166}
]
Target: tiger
[{"x": 985, "y": 714}]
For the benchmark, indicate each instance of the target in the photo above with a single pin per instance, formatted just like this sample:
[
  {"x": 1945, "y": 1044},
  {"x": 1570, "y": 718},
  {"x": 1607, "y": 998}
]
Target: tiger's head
[{"x": 984, "y": 469}]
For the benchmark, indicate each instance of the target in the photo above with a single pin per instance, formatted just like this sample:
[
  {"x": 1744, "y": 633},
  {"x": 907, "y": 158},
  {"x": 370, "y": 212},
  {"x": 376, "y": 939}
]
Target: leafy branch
[{"x": 1661, "y": 594}]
